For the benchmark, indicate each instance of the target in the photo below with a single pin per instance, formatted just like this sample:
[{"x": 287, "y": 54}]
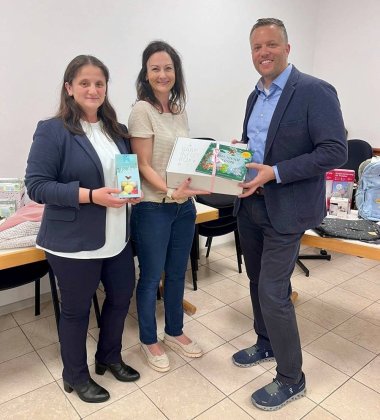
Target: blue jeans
[{"x": 162, "y": 234}]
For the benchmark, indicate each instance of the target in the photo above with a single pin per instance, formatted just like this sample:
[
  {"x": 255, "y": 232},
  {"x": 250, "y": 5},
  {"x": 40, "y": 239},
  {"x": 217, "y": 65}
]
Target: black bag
[{"x": 361, "y": 230}]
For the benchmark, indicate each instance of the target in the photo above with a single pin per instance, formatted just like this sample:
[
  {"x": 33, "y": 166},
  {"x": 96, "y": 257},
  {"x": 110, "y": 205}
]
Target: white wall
[
  {"x": 39, "y": 38},
  {"x": 347, "y": 55},
  {"x": 332, "y": 40}
]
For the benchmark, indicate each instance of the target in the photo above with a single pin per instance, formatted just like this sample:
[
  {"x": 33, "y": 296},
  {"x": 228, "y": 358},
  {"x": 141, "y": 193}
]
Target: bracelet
[
  {"x": 90, "y": 196},
  {"x": 169, "y": 193}
]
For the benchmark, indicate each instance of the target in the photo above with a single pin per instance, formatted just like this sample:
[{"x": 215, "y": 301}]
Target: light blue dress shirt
[{"x": 260, "y": 118}]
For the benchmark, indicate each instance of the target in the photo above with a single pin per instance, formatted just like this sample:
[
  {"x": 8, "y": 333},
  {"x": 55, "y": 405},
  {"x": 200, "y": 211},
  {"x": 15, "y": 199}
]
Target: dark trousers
[
  {"x": 78, "y": 281},
  {"x": 270, "y": 258}
]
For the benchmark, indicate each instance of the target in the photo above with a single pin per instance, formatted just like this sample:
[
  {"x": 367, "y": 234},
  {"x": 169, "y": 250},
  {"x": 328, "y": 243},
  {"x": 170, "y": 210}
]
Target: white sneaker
[
  {"x": 159, "y": 363},
  {"x": 189, "y": 350}
]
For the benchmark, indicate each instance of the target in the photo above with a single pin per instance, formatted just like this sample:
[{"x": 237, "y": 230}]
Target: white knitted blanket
[{"x": 19, "y": 236}]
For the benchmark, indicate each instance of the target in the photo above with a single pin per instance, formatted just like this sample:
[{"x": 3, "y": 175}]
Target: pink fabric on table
[{"x": 31, "y": 212}]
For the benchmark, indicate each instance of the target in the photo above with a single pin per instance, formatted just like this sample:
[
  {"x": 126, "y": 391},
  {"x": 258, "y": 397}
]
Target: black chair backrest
[
  {"x": 216, "y": 200},
  {"x": 219, "y": 227},
  {"x": 358, "y": 152},
  {"x": 22, "y": 274}
]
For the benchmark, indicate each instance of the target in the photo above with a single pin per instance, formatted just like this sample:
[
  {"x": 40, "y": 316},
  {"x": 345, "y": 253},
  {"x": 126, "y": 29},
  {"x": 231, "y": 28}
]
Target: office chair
[
  {"x": 226, "y": 223},
  {"x": 357, "y": 152},
  {"x": 323, "y": 255},
  {"x": 24, "y": 274},
  {"x": 33, "y": 272}
]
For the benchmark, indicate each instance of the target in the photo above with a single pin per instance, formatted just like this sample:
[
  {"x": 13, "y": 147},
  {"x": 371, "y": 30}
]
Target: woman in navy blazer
[{"x": 84, "y": 229}]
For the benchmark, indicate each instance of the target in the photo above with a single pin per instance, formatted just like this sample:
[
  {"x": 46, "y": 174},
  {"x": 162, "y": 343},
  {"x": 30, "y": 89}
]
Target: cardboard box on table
[
  {"x": 339, "y": 187},
  {"x": 339, "y": 207},
  {"x": 12, "y": 195},
  {"x": 186, "y": 156},
  {"x": 7, "y": 208}
]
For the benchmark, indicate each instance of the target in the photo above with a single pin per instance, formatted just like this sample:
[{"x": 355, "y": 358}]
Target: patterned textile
[
  {"x": 31, "y": 212},
  {"x": 20, "y": 236},
  {"x": 362, "y": 230}
]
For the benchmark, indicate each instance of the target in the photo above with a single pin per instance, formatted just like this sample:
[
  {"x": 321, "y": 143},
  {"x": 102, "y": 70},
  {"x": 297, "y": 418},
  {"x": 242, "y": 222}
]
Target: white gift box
[
  {"x": 339, "y": 207},
  {"x": 185, "y": 157}
]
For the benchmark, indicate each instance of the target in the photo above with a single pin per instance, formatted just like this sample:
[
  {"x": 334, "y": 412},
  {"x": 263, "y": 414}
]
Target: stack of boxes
[
  {"x": 339, "y": 189},
  {"x": 12, "y": 195}
]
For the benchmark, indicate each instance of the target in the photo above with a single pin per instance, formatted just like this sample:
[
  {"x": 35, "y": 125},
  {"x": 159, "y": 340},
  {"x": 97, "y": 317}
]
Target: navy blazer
[
  {"x": 59, "y": 163},
  {"x": 306, "y": 138}
]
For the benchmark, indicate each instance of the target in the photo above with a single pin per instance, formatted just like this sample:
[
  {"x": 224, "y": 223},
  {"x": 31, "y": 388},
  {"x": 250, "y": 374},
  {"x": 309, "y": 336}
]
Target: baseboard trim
[{"x": 23, "y": 304}]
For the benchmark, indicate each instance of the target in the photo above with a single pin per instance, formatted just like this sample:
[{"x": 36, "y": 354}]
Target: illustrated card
[
  {"x": 128, "y": 177},
  {"x": 230, "y": 162}
]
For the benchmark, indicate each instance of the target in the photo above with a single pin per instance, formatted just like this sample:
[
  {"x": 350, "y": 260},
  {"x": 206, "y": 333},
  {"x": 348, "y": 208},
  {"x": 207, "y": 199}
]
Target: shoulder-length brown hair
[
  {"x": 177, "y": 99},
  {"x": 71, "y": 113}
]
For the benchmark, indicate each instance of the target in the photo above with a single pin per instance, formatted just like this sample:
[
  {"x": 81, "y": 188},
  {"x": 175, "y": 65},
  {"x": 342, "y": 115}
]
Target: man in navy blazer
[{"x": 294, "y": 126}]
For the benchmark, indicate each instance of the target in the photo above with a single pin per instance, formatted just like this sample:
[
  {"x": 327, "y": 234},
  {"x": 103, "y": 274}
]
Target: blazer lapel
[
  {"x": 85, "y": 143},
  {"x": 121, "y": 146},
  {"x": 280, "y": 108}
]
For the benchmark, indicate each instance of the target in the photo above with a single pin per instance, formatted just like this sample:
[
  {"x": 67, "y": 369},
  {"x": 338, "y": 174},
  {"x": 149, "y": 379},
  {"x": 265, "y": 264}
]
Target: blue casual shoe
[
  {"x": 276, "y": 394},
  {"x": 252, "y": 356}
]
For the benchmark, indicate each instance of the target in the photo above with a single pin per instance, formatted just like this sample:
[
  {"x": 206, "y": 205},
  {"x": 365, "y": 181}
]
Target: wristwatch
[{"x": 169, "y": 193}]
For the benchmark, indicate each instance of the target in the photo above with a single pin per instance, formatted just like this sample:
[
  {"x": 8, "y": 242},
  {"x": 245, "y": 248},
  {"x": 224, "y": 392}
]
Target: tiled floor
[{"x": 338, "y": 312}]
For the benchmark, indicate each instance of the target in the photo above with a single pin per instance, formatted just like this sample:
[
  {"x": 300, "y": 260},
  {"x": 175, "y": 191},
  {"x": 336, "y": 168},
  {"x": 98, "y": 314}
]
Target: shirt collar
[{"x": 279, "y": 82}]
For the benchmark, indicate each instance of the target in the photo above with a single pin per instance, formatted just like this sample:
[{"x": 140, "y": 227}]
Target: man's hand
[{"x": 265, "y": 173}]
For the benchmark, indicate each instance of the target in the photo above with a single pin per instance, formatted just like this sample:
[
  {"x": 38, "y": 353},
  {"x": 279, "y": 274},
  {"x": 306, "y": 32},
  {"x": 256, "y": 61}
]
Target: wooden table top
[
  {"x": 19, "y": 256},
  {"x": 345, "y": 246}
]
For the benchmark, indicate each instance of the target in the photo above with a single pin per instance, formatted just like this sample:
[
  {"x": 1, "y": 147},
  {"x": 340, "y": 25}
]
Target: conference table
[
  {"x": 344, "y": 246},
  {"x": 15, "y": 257},
  {"x": 19, "y": 256}
]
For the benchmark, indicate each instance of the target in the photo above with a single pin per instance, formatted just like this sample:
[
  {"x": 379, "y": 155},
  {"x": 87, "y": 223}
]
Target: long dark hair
[
  {"x": 177, "y": 99},
  {"x": 71, "y": 113}
]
